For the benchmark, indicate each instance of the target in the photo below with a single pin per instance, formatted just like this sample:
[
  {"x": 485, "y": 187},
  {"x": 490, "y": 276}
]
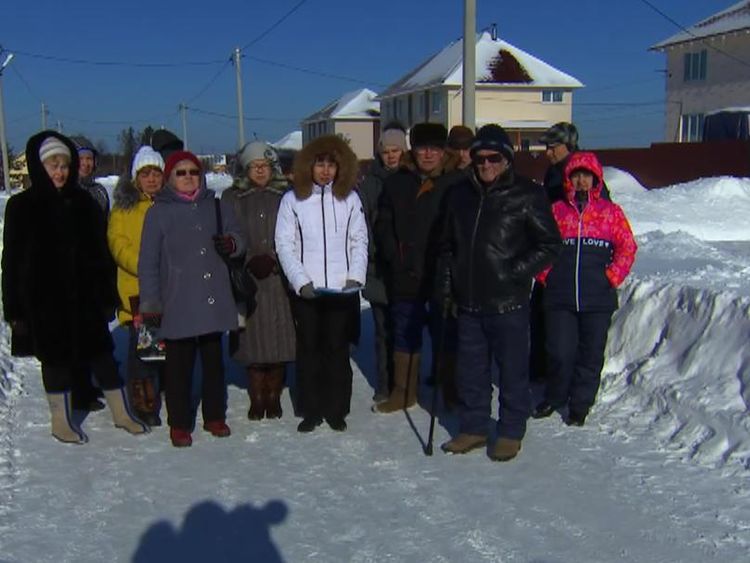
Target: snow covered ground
[{"x": 659, "y": 472}]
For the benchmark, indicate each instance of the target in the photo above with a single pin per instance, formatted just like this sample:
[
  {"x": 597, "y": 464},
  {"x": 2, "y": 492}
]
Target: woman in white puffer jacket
[{"x": 321, "y": 242}]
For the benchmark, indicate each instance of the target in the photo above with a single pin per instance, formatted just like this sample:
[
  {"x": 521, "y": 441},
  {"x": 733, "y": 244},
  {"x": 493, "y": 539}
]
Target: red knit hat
[{"x": 176, "y": 157}]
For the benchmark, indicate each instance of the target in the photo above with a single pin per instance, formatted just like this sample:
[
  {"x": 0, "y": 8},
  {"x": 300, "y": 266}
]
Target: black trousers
[
  {"x": 537, "y": 350},
  {"x": 58, "y": 378},
  {"x": 381, "y": 317},
  {"x": 178, "y": 380},
  {"x": 575, "y": 350},
  {"x": 324, "y": 374}
]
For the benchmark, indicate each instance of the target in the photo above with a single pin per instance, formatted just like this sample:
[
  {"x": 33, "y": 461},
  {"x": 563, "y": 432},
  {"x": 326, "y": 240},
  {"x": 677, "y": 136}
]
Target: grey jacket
[{"x": 181, "y": 275}]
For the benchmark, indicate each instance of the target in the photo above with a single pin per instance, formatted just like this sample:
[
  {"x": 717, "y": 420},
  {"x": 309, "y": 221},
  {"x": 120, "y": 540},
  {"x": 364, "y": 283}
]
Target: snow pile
[
  {"x": 711, "y": 209},
  {"x": 677, "y": 371}
]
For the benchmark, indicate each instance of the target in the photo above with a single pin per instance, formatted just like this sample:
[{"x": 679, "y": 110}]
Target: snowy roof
[
  {"x": 497, "y": 62},
  {"x": 734, "y": 18},
  {"x": 291, "y": 141},
  {"x": 360, "y": 104}
]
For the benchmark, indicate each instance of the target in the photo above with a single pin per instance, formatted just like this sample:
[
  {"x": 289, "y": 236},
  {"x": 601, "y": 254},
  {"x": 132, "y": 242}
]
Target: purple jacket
[{"x": 180, "y": 273}]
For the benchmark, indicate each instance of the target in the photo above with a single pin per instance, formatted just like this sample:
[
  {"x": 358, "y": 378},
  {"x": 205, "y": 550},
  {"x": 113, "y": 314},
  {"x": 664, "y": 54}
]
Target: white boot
[
  {"x": 61, "y": 412},
  {"x": 122, "y": 416}
]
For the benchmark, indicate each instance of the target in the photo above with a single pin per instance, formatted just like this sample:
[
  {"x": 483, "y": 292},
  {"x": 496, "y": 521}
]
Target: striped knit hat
[{"x": 52, "y": 146}]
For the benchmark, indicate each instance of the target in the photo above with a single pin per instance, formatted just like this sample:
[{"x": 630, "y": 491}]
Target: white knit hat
[
  {"x": 257, "y": 150},
  {"x": 146, "y": 156},
  {"x": 52, "y": 146}
]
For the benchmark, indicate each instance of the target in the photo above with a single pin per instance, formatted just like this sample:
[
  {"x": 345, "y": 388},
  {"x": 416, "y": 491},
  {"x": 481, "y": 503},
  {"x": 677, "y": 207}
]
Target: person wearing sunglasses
[
  {"x": 498, "y": 234},
  {"x": 185, "y": 290},
  {"x": 133, "y": 196},
  {"x": 266, "y": 343}
]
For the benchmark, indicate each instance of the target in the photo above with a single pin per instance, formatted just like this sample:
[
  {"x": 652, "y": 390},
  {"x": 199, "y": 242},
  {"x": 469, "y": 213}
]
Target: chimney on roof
[{"x": 493, "y": 31}]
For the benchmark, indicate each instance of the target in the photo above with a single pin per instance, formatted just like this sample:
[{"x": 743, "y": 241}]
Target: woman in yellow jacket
[{"x": 132, "y": 198}]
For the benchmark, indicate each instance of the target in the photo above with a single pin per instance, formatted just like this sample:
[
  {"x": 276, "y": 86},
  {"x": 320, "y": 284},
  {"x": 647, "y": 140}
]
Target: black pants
[
  {"x": 575, "y": 349},
  {"x": 537, "y": 353},
  {"x": 62, "y": 377},
  {"x": 324, "y": 374},
  {"x": 178, "y": 380}
]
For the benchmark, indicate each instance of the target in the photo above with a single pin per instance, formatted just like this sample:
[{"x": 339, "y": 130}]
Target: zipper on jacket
[
  {"x": 346, "y": 240},
  {"x": 325, "y": 243},
  {"x": 578, "y": 260},
  {"x": 301, "y": 239},
  {"x": 471, "y": 249}
]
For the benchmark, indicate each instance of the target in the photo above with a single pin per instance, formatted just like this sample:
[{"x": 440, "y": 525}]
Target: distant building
[
  {"x": 290, "y": 141},
  {"x": 513, "y": 88},
  {"x": 355, "y": 116},
  {"x": 708, "y": 69}
]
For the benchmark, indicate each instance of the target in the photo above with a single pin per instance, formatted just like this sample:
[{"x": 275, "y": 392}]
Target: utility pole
[
  {"x": 3, "y": 140},
  {"x": 240, "y": 113},
  {"x": 470, "y": 64},
  {"x": 45, "y": 113},
  {"x": 183, "y": 113}
]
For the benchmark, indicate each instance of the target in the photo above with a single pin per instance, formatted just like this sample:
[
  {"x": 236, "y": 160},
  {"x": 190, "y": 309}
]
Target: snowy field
[{"x": 660, "y": 472}]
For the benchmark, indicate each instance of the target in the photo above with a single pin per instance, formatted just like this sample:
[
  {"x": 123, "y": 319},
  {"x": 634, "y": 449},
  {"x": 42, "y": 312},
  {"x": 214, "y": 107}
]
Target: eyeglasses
[
  {"x": 493, "y": 158},
  {"x": 259, "y": 167},
  {"x": 184, "y": 172}
]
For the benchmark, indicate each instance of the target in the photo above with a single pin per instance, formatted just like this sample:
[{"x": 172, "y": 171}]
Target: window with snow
[
  {"x": 552, "y": 96},
  {"x": 695, "y": 65}
]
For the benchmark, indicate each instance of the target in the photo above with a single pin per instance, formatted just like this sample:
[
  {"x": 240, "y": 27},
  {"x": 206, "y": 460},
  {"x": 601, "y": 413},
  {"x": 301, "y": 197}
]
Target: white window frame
[
  {"x": 692, "y": 127},
  {"x": 552, "y": 96}
]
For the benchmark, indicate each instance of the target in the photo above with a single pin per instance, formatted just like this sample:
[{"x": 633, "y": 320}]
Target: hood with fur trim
[
  {"x": 125, "y": 194},
  {"x": 587, "y": 161},
  {"x": 346, "y": 176}
]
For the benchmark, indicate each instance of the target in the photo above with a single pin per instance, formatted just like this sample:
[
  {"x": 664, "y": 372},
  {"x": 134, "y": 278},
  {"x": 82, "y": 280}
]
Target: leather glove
[
  {"x": 262, "y": 265},
  {"x": 307, "y": 291},
  {"x": 351, "y": 284},
  {"x": 224, "y": 245}
]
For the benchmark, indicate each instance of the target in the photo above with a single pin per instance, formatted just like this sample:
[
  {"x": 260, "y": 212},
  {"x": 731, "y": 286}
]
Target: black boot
[
  {"x": 309, "y": 423},
  {"x": 542, "y": 410}
]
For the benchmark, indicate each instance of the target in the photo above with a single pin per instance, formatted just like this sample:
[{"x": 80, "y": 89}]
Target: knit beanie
[
  {"x": 52, "y": 146},
  {"x": 257, "y": 150},
  {"x": 393, "y": 138},
  {"x": 178, "y": 156},
  {"x": 146, "y": 156},
  {"x": 428, "y": 135},
  {"x": 493, "y": 138}
]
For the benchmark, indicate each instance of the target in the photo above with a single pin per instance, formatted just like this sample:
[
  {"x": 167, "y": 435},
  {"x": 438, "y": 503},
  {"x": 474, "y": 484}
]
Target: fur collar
[{"x": 345, "y": 158}]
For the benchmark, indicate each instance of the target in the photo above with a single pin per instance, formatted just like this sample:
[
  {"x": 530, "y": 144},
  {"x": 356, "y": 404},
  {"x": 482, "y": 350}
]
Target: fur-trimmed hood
[
  {"x": 125, "y": 194},
  {"x": 345, "y": 158}
]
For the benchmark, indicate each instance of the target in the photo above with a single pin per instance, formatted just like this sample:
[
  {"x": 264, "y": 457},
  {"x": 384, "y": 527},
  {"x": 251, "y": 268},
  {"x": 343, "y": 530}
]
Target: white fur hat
[{"x": 146, "y": 156}]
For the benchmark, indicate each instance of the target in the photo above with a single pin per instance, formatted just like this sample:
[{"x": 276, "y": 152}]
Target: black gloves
[
  {"x": 262, "y": 265},
  {"x": 224, "y": 245}
]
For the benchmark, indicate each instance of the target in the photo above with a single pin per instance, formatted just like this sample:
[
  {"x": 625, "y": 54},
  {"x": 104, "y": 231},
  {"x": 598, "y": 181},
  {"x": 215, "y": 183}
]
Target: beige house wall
[
  {"x": 359, "y": 133},
  {"x": 727, "y": 80}
]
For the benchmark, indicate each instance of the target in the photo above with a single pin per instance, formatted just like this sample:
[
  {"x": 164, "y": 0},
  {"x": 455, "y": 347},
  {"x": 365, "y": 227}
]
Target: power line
[
  {"x": 276, "y": 24},
  {"x": 693, "y": 35},
  {"x": 23, "y": 80},
  {"x": 112, "y": 121},
  {"x": 113, "y": 63},
  {"x": 228, "y": 116},
  {"x": 315, "y": 72},
  {"x": 210, "y": 82}
]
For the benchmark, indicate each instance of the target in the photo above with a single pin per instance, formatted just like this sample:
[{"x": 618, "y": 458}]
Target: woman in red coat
[{"x": 580, "y": 288}]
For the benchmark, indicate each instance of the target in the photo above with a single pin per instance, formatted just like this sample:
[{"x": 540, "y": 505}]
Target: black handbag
[{"x": 243, "y": 284}]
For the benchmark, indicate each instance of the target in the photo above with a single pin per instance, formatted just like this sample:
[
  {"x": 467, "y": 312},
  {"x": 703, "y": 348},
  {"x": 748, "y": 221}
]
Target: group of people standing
[{"x": 440, "y": 233}]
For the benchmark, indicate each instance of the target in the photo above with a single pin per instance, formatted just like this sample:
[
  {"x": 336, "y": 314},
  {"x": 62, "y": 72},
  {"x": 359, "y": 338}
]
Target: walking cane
[{"x": 446, "y": 308}]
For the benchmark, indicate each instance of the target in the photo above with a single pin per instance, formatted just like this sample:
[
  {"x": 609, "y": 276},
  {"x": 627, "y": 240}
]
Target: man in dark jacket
[
  {"x": 499, "y": 232},
  {"x": 406, "y": 236}
]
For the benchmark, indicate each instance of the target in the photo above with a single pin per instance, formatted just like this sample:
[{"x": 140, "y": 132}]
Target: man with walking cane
[{"x": 498, "y": 233}]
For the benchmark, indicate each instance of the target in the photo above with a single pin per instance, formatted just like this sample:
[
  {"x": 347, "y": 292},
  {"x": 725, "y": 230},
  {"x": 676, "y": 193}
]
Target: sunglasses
[
  {"x": 493, "y": 158},
  {"x": 183, "y": 172}
]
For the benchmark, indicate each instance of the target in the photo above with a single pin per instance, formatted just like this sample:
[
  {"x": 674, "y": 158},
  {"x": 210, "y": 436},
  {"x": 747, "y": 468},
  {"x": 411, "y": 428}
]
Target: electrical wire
[
  {"x": 228, "y": 116},
  {"x": 210, "y": 82},
  {"x": 273, "y": 26},
  {"x": 315, "y": 72},
  {"x": 113, "y": 63}
]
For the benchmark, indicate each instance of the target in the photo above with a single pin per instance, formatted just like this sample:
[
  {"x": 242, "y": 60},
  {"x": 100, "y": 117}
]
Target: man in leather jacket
[{"x": 498, "y": 233}]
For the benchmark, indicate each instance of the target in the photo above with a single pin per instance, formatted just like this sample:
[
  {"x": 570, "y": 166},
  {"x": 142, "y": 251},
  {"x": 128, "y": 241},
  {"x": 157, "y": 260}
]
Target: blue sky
[{"x": 602, "y": 43}]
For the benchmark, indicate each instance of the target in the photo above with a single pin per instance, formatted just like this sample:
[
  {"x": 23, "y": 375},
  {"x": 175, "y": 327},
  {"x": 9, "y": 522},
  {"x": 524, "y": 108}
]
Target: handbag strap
[{"x": 219, "y": 227}]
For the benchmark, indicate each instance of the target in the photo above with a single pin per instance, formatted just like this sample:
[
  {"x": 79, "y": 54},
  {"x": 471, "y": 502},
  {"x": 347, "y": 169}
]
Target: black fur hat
[{"x": 428, "y": 134}]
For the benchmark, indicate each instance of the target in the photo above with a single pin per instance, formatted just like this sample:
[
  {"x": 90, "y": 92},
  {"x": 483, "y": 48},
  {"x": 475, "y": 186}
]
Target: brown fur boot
[
  {"x": 274, "y": 386},
  {"x": 255, "y": 389},
  {"x": 405, "y": 383},
  {"x": 152, "y": 403}
]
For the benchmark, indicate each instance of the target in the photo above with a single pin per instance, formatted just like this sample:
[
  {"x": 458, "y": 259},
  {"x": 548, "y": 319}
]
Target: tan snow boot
[
  {"x": 464, "y": 443},
  {"x": 505, "y": 449},
  {"x": 405, "y": 383},
  {"x": 63, "y": 427},
  {"x": 122, "y": 416}
]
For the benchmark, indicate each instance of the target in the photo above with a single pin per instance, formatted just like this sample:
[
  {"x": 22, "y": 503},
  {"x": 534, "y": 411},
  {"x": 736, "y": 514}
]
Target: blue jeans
[{"x": 506, "y": 337}]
